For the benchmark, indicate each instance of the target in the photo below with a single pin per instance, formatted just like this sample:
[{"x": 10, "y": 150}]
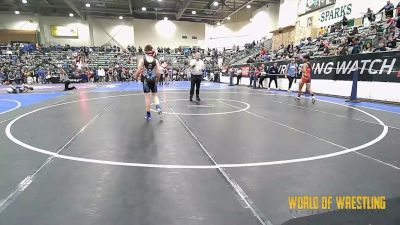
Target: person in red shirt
[
  {"x": 261, "y": 75},
  {"x": 306, "y": 78},
  {"x": 263, "y": 51}
]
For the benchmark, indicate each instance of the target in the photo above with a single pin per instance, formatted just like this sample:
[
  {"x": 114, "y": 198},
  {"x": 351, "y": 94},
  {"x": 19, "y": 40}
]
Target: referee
[{"x": 197, "y": 66}]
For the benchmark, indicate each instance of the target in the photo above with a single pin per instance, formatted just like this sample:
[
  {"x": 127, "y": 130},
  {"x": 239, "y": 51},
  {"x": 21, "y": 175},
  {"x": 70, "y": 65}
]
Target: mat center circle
[
  {"x": 51, "y": 153},
  {"x": 206, "y": 107}
]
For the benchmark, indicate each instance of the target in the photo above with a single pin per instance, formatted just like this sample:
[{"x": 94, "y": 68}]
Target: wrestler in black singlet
[{"x": 149, "y": 75}]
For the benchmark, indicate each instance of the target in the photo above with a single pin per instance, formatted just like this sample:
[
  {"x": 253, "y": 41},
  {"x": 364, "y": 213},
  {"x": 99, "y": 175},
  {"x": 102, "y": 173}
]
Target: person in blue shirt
[
  {"x": 41, "y": 73},
  {"x": 356, "y": 46},
  {"x": 291, "y": 72},
  {"x": 252, "y": 74},
  {"x": 389, "y": 7},
  {"x": 266, "y": 58}
]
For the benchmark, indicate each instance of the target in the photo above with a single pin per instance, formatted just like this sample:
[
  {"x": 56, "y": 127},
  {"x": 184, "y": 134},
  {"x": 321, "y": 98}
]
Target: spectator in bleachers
[
  {"x": 397, "y": 31},
  {"x": 388, "y": 9},
  {"x": 345, "y": 22},
  {"x": 332, "y": 29},
  {"x": 390, "y": 31},
  {"x": 391, "y": 44},
  {"x": 250, "y": 60},
  {"x": 367, "y": 48},
  {"x": 376, "y": 41},
  {"x": 321, "y": 46},
  {"x": 343, "y": 48},
  {"x": 390, "y": 22},
  {"x": 381, "y": 46},
  {"x": 398, "y": 10},
  {"x": 356, "y": 47},
  {"x": 263, "y": 52},
  {"x": 290, "y": 48},
  {"x": 372, "y": 30},
  {"x": 266, "y": 57},
  {"x": 354, "y": 31},
  {"x": 321, "y": 31},
  {"x": 327, "y": 49}
]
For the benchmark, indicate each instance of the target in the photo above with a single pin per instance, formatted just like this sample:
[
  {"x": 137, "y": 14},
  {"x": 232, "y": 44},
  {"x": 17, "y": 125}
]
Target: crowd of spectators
[
  {"x": 377, "y": 36},
  {"x": 27, "y": 63},
  {"x": 30, "y": 63}
]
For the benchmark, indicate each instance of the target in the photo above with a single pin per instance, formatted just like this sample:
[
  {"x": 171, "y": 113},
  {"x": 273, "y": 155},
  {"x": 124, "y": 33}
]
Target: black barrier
[{"x": 379, "y": 66}]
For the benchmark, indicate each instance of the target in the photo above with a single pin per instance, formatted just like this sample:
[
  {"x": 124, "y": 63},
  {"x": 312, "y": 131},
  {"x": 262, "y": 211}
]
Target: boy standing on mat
[
  {"x": 150, "y": 69},
  {"x": 306, "y": 78}
]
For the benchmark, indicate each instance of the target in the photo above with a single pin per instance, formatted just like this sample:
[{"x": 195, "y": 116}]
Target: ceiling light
[
  {"x": 194, "y": 12},
  {"x": 120, "y": 17},
  {"x": 218, "y": 23},
  {"x": 87, "y": 5},
  {"x": 228, "y": 18},
  {"x": 215, "y": 3},
  {"x": 159, "y": 0},
  {"x": 248, "y": 6},
  {"x": 24, "y": 1},
  {"x": 251, "y": 19},
  {"x": 143, "y": 8},
  {"x": 71, "y": 15},
  {"x": 17, "y": 12},
  {"x": 165, "y": 18}
]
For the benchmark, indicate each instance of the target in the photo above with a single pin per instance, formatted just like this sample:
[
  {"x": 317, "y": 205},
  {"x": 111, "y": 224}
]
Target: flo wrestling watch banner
[{"x": 382, "y": 67}]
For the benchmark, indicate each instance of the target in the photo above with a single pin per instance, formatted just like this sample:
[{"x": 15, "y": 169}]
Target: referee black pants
[
  {"x": 195, "y": 81},
  {"x": 290, "y": 81},
  {"x": 238, "y": 78},
  {"x": 261, "y": 81},
  {"x": 66, "y": 86},
  {"x": 273, "y": 78}
]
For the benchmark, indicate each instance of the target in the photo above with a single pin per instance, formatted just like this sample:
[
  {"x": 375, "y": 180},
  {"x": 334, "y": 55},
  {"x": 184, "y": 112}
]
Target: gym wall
[
  {"x": 7, "y": 36},
  {"x": 168, "y": 33},
  {"x": 242, "y": 31},
  {"x": 96, "y": 32}
]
